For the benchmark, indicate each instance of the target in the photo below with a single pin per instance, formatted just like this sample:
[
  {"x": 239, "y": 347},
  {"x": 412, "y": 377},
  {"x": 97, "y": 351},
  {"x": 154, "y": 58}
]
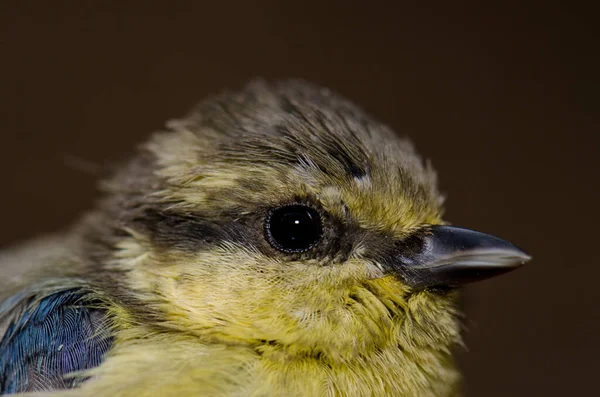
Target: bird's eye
[{"x": 293, "y": 228}]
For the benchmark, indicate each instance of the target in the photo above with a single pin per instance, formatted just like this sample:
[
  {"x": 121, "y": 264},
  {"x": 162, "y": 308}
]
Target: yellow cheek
[{"x": 251, "y": 299}]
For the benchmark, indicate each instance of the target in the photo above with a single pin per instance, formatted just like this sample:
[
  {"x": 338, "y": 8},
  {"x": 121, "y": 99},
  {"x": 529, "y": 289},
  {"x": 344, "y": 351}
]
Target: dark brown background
[{"x": 501, "y": 98}]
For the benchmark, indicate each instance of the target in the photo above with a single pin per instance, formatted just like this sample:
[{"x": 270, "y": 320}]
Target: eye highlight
[{"x": 293, "y": 228}]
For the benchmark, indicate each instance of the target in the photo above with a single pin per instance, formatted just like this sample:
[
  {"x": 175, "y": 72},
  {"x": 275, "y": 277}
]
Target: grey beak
[{"x": 452, "y": 256}]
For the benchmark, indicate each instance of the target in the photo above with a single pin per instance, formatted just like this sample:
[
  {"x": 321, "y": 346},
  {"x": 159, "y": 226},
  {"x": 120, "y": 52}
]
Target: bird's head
[{"x": 283, "y": 217}]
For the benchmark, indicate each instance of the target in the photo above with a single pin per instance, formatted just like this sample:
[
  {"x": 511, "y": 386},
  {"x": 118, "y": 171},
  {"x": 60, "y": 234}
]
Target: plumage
[
  {"x": 191, "y": 292},
  {"x": 60, "y": 334}
]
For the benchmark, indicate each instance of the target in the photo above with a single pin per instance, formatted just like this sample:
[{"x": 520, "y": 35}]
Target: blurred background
[{"x": 500, "y": 97}]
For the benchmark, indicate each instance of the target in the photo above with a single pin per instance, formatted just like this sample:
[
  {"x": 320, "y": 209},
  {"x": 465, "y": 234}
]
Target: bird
[{"x": 275, "y": 241}]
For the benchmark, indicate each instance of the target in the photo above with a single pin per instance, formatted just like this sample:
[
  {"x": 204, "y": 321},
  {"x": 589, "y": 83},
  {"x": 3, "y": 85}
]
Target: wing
[{"x": 48, "y": 338}]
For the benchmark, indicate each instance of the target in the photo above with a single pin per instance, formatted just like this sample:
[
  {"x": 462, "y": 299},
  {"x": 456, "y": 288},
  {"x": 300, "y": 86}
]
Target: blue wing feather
[{"x": 60, "y": 334}]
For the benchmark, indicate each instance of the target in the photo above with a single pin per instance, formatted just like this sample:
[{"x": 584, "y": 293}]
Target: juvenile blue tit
[{"x": 276, "y": 241}]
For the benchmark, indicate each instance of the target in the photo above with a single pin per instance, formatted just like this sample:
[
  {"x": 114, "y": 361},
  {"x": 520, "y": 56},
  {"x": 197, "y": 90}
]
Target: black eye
[{"x": 293, "y": 228}]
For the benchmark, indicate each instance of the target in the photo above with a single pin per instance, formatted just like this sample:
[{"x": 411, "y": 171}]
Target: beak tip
[
  {"x": 523, "y": 259},
  {"x": 519, "y": 257}
]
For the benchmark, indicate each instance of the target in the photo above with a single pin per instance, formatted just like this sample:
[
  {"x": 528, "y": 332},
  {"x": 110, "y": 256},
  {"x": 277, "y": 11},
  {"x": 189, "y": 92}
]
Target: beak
[{"x": 452, "y": 256}]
